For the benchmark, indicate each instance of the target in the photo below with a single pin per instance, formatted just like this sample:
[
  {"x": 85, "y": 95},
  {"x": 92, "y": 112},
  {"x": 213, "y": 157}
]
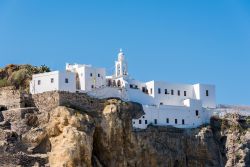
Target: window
[
  {"x": 207, "y": 93},
  {"x": 99, "y": 75},
  {"x": 133, "y": 122},
  {"x": 166, "y": 91},
  {"x": 197, "y": 112},
  {"x": 91, "y": 74},
  {"x": 179, "y": 92},
  {"x": 146, "y": 122},
  {"x": 175, "y": 121},
  {"x": 143, "y": 117},
  {"x": 155, "y": 121},
  {"x": 172, "y": 92},
  {"x": 131, "y": 86},
  {"x": 167, "y": 120},
  {"x": 185, "y": 93},
  {"x": 161, "y": 103},
  {"x": 183, "y": 121},
  {"x": 92, "y": 86},
  {"x": 39, "y": 82},
  {"x": 139, "y": 121},
  {"x": 66, "y": 80},
  {"x": 159, "y": 90},
  {"x": 52, "y": 80}
]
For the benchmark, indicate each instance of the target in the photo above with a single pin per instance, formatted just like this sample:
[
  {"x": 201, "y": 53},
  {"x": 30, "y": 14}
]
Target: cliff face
[{"x": 90, "y": 132}]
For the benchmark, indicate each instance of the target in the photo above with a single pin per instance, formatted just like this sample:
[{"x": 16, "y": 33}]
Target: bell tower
[{"x": 121, "y": 66}]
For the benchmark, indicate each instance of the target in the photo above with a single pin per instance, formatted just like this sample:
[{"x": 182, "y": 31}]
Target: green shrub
[
  {"x": 4, "y": 82},
  {"x": 248, "y": 120},
  {"x": 18, "y": 77}
]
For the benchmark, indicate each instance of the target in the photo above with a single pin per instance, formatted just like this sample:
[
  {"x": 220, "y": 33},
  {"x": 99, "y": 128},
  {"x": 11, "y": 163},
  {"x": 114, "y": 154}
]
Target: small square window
[
  {"x": 39, "y": 82},
  {"x": 99, "y": 75},
  {"x": 139, "y": 121},
  {"x": 167, "y": 120},
  {"x": 146, "y": 122},
  {"x": 183, "y": 121},
  {"x": 52, "y": 80},
  {"x": 155, "y": 121},
  {"x": 176, "y": 121},
  {"x": 92, "y": 86},
  {"x": 66, "y": 80},
  {"x": 185, "y": 93},
  {"x": 91, "y": 74},
  {"x": 166, "y": 91},
  {"x": 172, "y": 92}
]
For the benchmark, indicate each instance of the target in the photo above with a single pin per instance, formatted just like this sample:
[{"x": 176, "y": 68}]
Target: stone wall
[
  {"x": 46, "y": 101},
  {"x": 12, "y": 98},
  {"x": 80, "y": 101},
  {"x": 49, "y": 100}
]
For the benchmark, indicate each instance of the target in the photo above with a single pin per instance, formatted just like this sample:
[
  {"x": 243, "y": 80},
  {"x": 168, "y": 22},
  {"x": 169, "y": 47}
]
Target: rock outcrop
[{"x": 74, "y": 130}]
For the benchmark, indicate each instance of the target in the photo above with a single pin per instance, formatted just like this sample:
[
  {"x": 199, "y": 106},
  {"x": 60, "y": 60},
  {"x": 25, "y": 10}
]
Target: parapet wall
[
  {"x": 47, "y": 101},
  {"x": 11, "y": 98}
]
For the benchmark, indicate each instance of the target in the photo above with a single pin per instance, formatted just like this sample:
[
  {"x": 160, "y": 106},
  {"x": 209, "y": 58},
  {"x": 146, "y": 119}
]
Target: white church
[{"x": 164, "y": 104}]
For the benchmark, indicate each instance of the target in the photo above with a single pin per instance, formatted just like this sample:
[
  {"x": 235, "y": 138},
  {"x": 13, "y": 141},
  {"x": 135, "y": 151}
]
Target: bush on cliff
[{"x": 20, "y": 75}]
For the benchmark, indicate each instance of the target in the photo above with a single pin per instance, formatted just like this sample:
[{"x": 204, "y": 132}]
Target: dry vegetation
[{"x": 19, "y": 76}]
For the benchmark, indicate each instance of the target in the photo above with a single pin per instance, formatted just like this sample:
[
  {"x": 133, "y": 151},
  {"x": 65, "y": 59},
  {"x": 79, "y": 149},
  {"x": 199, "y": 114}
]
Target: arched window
[
  {"x": 118, "y": 69},
  {"x": 114, "y": 83},
  {"x": 197, "y": 112},
  {"x": 109, "y": 82},
  {"x": 119, "y": 83}
]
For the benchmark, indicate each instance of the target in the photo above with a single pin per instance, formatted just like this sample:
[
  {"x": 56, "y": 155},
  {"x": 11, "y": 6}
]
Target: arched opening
[
  {"x": 109, "y": 83},
  {"x": 114, "y": 83},
  {"x": 78, "y": 87},
  {"x": 119, "y": 83}
]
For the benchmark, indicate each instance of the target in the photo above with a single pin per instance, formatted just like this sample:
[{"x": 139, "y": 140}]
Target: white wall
[
  {"x": 71, "y": 85},
  {"x": 169, "y": 99},
  {"x": 57, "y": 84},
  {"x": 200, "y": 93},
  {"x": 161, "y": 113}
]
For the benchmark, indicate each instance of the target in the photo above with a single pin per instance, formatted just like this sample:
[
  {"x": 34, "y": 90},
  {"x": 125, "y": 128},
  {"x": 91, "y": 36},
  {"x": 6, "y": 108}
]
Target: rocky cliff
[{"x": 62, "y": 129}]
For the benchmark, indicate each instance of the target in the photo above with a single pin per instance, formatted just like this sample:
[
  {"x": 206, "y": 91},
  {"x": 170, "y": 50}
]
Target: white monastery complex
[{"x": 164, "y": 104}]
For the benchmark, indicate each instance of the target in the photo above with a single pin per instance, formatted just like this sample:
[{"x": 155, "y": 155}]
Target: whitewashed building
[
  {"x": 88, "y": 77},
  {"x": 164, "y": 104},
  {"x": 50, "y": 81}
]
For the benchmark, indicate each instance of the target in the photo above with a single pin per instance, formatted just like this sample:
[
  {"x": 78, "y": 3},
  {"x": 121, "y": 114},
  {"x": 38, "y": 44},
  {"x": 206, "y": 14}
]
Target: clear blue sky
[{"x": 191, "y": 41}]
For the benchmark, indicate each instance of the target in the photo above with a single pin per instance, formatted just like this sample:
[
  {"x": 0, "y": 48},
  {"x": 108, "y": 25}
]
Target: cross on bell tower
[{"x": 121, "y": 66}]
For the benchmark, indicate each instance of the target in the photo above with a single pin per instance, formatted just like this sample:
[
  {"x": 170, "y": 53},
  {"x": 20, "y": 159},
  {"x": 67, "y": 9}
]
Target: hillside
[
  {"x": 19, "y": 75},
  {"x": 70, "y": 129}
]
